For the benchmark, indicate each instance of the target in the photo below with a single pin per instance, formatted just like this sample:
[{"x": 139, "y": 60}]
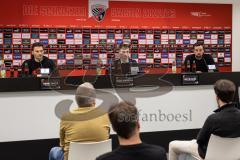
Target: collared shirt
[
  {"x": 127, "y": 61},
  {"x": 123, "y": 68},
  {"x": 225, "y": 122}
]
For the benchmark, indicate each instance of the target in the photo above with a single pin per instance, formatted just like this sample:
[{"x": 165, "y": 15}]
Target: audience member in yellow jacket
[{"x": 73, "y": 129}]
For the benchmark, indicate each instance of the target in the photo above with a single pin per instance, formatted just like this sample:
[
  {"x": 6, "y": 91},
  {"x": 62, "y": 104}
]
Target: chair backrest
[
  {"x": 88, "y": 151},
  {"x": 220, "y": 148},
  {"x": 185, "y": 156}
]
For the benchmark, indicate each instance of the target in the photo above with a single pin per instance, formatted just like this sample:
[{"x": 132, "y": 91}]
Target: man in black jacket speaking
[
  {"x": 38, "y": 60},
  {"x": 123, "y": 63},
  {"x": 201, "y": 60}
]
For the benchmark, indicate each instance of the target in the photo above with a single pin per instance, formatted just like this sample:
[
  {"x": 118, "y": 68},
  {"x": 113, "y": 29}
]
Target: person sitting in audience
[
  {"x": 225, "y": 122},
  {"x": 124, "y": 120},
  {"x": 74, "y": 130}
]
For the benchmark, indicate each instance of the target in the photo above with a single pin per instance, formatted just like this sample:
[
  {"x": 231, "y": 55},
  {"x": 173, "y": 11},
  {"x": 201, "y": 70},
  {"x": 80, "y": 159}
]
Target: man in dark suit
[
  {"x": 201, "y": 60},
  {"x": 123, "y": 63}
]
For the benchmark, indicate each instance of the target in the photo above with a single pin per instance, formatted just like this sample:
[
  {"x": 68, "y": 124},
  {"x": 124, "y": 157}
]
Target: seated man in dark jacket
[
  {"x": 39, "y": 61},
  {"x": 123, "y": 62},
  {"x": 225, "y": 122},
  {"x": 202, "y": 61},
  {"x": 124, "y": 120}
]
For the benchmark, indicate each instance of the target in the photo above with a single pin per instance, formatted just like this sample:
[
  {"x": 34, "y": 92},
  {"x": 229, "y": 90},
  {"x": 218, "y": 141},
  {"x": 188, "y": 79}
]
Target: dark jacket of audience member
[{"x": 225, "y": 122}]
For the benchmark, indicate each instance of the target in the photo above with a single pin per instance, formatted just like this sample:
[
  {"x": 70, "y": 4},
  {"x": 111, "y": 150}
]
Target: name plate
[
  {"x": 50, "y": 83},
  {"x": 123, "y": 81},
  {"x": 134, "y": 70},
  {"x": 190, "y": 79}
]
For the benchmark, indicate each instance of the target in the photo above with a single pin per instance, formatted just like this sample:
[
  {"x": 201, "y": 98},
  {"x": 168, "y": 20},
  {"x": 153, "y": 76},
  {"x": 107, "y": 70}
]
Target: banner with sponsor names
[{"x": 79, "y": 33}]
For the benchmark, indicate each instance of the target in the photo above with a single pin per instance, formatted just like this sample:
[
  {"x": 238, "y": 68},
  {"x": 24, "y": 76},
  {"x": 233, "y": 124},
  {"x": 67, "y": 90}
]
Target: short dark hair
[
  {"x": 37, "y": 44},
  {"x": 124, "y": 118},
  {"x": 225, "y": 90},
  {"x": 124, "y": 46},
  {"x": 198, "y": 44}
]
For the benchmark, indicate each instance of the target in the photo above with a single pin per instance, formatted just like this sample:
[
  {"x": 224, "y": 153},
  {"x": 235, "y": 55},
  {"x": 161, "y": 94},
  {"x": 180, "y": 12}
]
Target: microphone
[
  {"x": 41, "y": 65},
  {"x": 205, "y": 62}
]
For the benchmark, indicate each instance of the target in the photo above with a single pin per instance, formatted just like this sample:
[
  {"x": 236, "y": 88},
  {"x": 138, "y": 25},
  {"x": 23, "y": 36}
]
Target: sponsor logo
[
  {"x": 200, "y": 14},
  {"x": 98, "y": 11}
]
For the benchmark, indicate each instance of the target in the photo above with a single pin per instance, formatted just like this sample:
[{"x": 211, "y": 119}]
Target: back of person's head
[
  {"x": 37, "y": 44},
  {"x": 225, "y": 90},
  {"x": 124, "y": 119},
  {"x": 85, "y": 95}
]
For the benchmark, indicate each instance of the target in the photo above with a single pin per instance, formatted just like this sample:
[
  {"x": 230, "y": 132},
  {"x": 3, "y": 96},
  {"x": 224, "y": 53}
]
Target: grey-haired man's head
[{"x": 85, "y": 95}]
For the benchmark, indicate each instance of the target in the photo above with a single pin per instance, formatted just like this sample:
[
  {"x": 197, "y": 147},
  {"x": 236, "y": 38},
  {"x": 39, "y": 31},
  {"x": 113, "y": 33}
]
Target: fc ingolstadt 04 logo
[{"x": 98, "y": 11}]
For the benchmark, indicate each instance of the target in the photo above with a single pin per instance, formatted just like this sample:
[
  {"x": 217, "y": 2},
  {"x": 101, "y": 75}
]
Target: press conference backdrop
[{"x": 159, "y": 33}]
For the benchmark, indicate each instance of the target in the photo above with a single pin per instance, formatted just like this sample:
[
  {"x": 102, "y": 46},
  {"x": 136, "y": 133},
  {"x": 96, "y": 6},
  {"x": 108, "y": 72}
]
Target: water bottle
[
  {"x": 11, "y": 71},
  {"x": 194, "y": 66},
  {"x": 3, "y": 71},
  {"x": 183, "y": 69},
  {"x": 98, "y": 68},
  {"x": 188, "y": 66},
  {"x": 174, "y": 67},
  {"x": 26, "y": 69},
  {"x": 19, "y": 70}
]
